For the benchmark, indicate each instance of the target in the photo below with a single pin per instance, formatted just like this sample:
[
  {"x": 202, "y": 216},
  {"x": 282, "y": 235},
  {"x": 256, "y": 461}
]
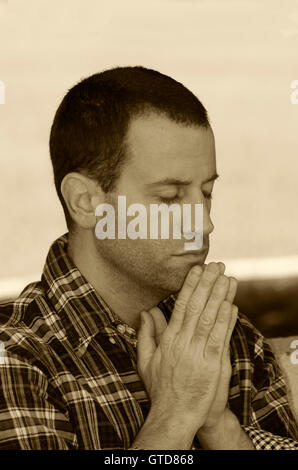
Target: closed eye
[
  {"x": 176, "y": 199},
  {"x": 169, "y": 200}
]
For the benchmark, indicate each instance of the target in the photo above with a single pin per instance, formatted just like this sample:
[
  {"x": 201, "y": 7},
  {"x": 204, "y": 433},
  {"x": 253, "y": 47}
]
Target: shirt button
[
  {"x": 112, "y": 341},
  {"x": 130, "y": 330},
  {"x": 121, "y": 328}
]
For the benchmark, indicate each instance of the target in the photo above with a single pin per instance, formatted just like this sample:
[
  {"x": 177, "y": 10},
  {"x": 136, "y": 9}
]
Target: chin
[{"x": 174, "y": 281}]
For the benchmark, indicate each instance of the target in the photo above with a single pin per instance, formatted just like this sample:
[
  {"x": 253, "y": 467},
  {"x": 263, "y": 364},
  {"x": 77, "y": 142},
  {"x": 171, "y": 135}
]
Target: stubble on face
[{"x": 159, "y": 148}]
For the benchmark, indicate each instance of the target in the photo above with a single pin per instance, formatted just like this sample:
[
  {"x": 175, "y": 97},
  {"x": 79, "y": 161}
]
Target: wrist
[
  {"x": 163, "y": 429},
  {"x": 227, "y": 419},
  {"x": 225, "y": 434},
  {"x": 172, "y": 415}
]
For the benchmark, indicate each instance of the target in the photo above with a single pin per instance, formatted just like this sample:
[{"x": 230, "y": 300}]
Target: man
[{"x": 80, "y": 369}]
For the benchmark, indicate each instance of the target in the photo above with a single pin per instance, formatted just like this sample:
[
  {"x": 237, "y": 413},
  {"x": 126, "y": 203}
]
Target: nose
[
  {"x": 201, "y": 219},
  {"x": 208, "y": 226}
]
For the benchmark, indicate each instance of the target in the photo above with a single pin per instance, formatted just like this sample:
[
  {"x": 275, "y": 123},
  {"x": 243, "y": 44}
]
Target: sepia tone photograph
[{"x": 149, "y": 247}]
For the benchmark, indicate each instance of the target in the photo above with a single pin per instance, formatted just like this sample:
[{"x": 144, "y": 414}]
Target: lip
[{"x": 198, "y": 253}]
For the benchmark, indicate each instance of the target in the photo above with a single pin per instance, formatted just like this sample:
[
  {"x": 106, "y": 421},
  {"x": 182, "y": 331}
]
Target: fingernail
[
  {"x": 213, "y": 268},
  {"x": 222, "y": 267}
]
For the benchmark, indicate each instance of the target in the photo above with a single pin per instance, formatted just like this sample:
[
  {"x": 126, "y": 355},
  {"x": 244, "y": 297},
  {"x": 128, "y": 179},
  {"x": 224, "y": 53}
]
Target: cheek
[
  {"x": 136, "y": 253},
  {"x": 147, "y": 262}
]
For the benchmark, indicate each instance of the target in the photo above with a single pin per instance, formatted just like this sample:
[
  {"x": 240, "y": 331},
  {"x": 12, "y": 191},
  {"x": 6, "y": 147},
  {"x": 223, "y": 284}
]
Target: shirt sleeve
[
  {"x": 272, "y": 424},
  {"x": 265, "y": 440},
  {"x": 30, "y": 417}
]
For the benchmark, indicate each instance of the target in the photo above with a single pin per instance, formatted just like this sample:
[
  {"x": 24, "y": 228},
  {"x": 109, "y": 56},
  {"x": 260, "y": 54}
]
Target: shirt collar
[{"x": 82, "y": 312}]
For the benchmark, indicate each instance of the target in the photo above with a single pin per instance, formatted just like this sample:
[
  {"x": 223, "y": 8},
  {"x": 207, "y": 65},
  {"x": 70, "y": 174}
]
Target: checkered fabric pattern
[
  {"x": 68, "y": 371},
  {"x": 268, "y": 441}
]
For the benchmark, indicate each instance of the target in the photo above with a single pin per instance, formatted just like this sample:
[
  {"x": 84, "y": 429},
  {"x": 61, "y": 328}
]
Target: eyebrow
[{"x": 177, "y": 182}]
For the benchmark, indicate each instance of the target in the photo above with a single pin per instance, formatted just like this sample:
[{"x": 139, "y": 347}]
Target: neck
[{"x": 125, "y": 297}]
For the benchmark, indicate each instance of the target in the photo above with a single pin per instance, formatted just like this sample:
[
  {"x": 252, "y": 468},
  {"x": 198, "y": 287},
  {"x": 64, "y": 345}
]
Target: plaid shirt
[{"x": 68, "y": 373}]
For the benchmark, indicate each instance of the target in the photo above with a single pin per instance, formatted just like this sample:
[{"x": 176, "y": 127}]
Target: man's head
[{"x": 134, "y": 132}]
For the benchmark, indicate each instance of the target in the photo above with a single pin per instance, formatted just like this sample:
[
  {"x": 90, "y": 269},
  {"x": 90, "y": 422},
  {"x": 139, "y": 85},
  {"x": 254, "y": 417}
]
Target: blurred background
[{"x": 239, "y": 57}]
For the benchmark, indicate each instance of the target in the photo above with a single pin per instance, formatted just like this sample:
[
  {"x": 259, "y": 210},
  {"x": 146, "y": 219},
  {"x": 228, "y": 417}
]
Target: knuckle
[
  {"x": 215, "y": 338},
  {"x": 192, "y": 280},
  {"x": 193, "y": 276},
  {"x": 224, "y": 314},
  {"x": 219, "y": 290},
  {"x": 214, "y": 348},
  {"x": 216, "y": 295},
  {"x": 206, "y": 321},
  {"x": 196, "y": 270},
  {"x": 222, "y": 281},
  {"x": 210, "y": 275},
  {"x": 198, "y": 336},
  {"x": 165, "y": 341},
  {"x": 180, "y": 305},
  {"x": 206, "y": 281},
  {"x": 192, "y": 309}
]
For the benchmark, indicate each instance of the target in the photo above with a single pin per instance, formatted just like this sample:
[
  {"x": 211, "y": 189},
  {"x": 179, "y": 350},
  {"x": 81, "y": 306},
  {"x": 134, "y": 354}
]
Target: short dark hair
[{"x": 90, "y": 125}]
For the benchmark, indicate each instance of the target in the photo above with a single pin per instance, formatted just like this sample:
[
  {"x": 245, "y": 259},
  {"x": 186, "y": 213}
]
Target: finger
[
  {"x": 216, "y": 339},
  {"x": 199, "y": 299},
  {"x": 233, "y": 283},
  {"x": 222, "y": 267},
  {"x": 232, "y": 290},
  {"x": 233, "y": 320},
  {"x": 146, "y": 344},
  {"x": 208, "y": 317},
  {"x": 160, "y": 323},
  {"x": 184, "y": 295}
]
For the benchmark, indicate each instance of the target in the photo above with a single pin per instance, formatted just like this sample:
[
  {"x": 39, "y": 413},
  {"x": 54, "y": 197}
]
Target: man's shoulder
[
  {"x": 13, "y": 311},
  {"x": 248, "y": 326},
  {"x": 250, "y": 341},
  {"x": 23, "y": 326}
]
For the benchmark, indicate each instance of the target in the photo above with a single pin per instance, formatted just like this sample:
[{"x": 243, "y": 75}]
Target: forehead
[{"x": 160, "y": 147}]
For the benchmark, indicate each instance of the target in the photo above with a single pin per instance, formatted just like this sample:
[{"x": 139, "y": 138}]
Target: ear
[{"x": 81, "y": 195}]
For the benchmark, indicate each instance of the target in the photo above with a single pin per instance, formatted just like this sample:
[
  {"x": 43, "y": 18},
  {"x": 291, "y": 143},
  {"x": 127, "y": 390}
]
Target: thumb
[
  {"x": 146, "y": 345},
  {"x": 160, "y": 323}
]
